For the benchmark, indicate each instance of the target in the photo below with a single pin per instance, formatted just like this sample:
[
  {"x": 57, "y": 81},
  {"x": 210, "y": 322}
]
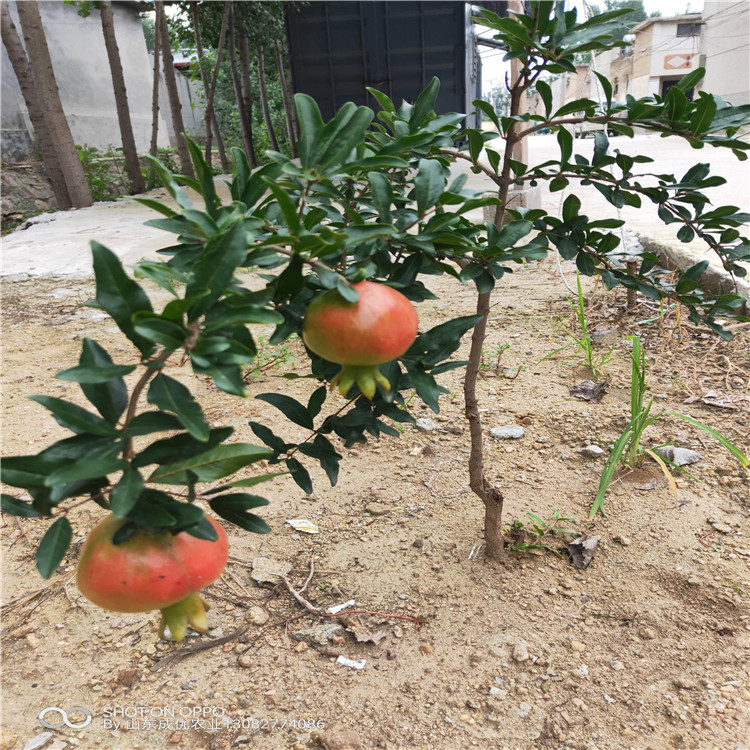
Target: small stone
[
  {"x": 398, "y": 631},
  {"x": 418, "y": 543},
  {"x": 150, "y": 649},
  {"x": 578, "y": 646},
  {"x": 258, "y": 616},
  {"x": 508, "y": 432},
  {"x": 301, "y": 647},
  {"x": 693, "y": 581},
  {"x": 175, "y": 738},
  {"x": 426, "y": 648},
  {"x": 617, "y": 665},
  {"x": 247, "y": 660},
  {"x": 378, "y": 509},
  {"x": 266, "y": 570},
  {"x": 24, "y": 630},
  {"x": 581, "y": 670},
  {"x": 722, "y": 528},
  {"x": 647, "y": 634},
  {"x": 521, "y": 651},
  {"x": 39, "y": 741},
  {"x": 57, "y": 745},
  {"x": 426, "y": 425},
  {"x": 685, "y": 683},
  {"x": 524, "y": 709},
  {"x": 498, "y": 692},
  {"x": 318, "y": 635},
  {"x": 678, "y": 456},
  {"x": 592, "y": 451},
  {"x": 126, "y": 676},
  {"x": 340, "y": 737}
]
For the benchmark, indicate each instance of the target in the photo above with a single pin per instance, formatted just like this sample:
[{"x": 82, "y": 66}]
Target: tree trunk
[
  {"x": 211, "y": 90},
  {"x": 174, "y": 97},
  {"x": 137, "y": 185},
  {"x": 22, "y": 69},
  {"x": 290, "y": 114},
  {"x": 264, "y": 98},
  {"x": 490, "y": 497},
  {"x": 46, "y": 89},
  {"x": 246, "y": 87},
  {"x": 155, "y": 93},
  {"x": 244, "y": 126},
  {"x": 211, "y": 121}
]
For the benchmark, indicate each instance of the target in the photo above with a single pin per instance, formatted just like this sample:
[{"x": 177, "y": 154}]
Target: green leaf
[
  {"x": 272, "y": 440},
  {"x": 15, "y": 507},
  {"x": 703, "y": 117},
  {"x": 95, "y": 464},
  {"x": 249, "y": 482},
  {"x": 565, "y": 140},
  {"x": 110, "y": 398},
  {"x": 160, "y": 330},
  {"x": 571, "y": 208},
  {"x": 489, "y": 110},
  {"x": 53, "y": 547},
  {"x": 74, "y": 418},
  {"x": 382, "y": 195},
  {"x": 512, "y": 232},
  {"x": 424, "y": 104},
  {"x": 288, "y": 207},
  {"x": 441, "y": 341},
  {"x": 322, "y": 449},
  {"x": 180, "y": 447},
  {"x": 689, "y": 80},
  {"x": 429, "y": 183},
  {"x": 152, "y": 421},
  {"x": 167, "y": 179},
  {"x": 546, "y": 93},
  {"x": 215, "y": 269},
  {"x": 226, "y": 313},
  {"x": 310, "y": 126},
  {"x": 290, "y": 408},
  {"x": 343, "y": 134},
  {"x": 234, "y": 508},
  {"x": 171, "y": 396},
  {"x": 606, "y": 88},
  {"x": 601, "y": 146},
  {"x": 211, "y": 465},
  {"x": 300, "y": 475},
  {"x": 316, "y": 401},
  {"x": 347, "y": 291},
  {"x": 119, "y": 295},
  {"x": 382, "y": 99},
  {"x": 685, "y": 234},
  {"x": 94, "y": 373},
  {"x": 476, "y": 144},
  {"x": 205, "y": 178},
  {"x": 126, "y": 492},
  {"x": 730, "y": 446},
  {"x": 203, "y": 530}
]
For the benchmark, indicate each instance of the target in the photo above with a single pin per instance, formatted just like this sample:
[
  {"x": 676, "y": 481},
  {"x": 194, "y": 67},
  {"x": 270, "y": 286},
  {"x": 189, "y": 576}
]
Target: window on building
[{"x": 688, "y": 29}]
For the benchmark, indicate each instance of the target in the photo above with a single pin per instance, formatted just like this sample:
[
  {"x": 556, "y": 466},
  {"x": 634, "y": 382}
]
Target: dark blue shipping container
[{"x": 338, "y": 49}]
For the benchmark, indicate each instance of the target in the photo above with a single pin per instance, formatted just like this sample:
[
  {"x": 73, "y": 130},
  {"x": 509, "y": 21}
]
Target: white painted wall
[
  {"x": 726, "y": 46},
  {"x": 79, "y": 59}
]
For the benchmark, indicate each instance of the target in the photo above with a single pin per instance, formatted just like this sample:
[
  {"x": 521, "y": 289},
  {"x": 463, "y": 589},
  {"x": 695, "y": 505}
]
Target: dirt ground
[{"x": 646, "y": 648}]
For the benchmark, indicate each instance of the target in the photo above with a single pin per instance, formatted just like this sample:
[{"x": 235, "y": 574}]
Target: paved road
[{"x": 58, "y": 244}]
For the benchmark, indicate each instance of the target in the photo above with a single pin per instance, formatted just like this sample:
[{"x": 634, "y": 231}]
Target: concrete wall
[
  {"x": 83, "y": 76},
  {"x": 726, "y": 46},
  {"x": 192, "y": 111}
]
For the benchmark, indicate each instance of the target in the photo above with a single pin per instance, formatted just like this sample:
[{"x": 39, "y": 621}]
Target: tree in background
[
  {"x": 36, "y": 76},
  {"x": 170, "y": 80},
  {"x": 137, "y": 184}
]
